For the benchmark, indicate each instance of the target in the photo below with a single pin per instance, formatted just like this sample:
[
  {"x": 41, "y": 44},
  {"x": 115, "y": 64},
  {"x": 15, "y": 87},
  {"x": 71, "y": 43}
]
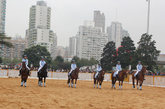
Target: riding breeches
[
  {"x": 114, "y": 75},
  {"x": 136, "y": 73},
  {"x": 39, "y": 68},
  {"x": 96, "y": 74}
]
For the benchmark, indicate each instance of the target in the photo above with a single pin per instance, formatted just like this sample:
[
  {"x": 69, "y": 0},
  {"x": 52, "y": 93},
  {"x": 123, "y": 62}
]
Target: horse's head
[
  {"x": 125, "y": 72},
  {"x": 144, "y": 70},
  {"x": 77, "y": 70},
  {"x": 23, "y": 65},
  {"x": 102, "y": 73}
]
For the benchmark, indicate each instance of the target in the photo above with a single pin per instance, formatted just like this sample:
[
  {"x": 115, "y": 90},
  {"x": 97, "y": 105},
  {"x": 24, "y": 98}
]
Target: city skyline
[{"x": 66, "y": 19}]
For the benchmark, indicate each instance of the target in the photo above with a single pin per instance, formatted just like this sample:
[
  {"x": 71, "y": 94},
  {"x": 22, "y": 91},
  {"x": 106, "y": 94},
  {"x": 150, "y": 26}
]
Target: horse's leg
[
  {"x": 100, "y": 84},
  {"x": 44, "y": 81},
  {"x": 41, "y": 81},
  {"x": 133, "y": 81},
  {"x": 21, "y": 82},
  {"x": 75, "y": 82},
  {"x": 25, "y": 82},
  {"x": 141, "y": 82},
  {"x": 137, "y": 84},
  {"x": 119, "y": 84},
  {"x": 94, "y": 83},
  {"x": 72, "y": 83},
  {"x": 112, "y": 82},
  {"x": 97, "y": 83}
]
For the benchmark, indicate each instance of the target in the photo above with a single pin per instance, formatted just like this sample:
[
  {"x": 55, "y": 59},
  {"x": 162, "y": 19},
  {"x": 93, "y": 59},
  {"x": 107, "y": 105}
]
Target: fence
[{"x": 157, "y": 81}]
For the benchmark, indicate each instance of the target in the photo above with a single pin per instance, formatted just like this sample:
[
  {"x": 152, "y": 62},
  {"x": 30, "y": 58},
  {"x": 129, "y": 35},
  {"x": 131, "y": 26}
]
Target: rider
[
  {"x": 139, "y": 68},
  {"x": 26, "y": 62},
  {"x": 99, "y": 68},
  {"x": 73, "y": 67},
  {"x": 118, "y": 69},
  {"x": 42, "y": 63}
]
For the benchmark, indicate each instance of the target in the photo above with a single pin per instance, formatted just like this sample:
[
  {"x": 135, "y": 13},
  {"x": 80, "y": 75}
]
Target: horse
[
  {"x": 24, "y": 74},
  {"x": 72, "y": 77},
  {"x": 139, "y": 78},
  {"x": 121, "y": 75},
  {"x": 42, "y": 74},
  {"x": 99, "y": 79}
]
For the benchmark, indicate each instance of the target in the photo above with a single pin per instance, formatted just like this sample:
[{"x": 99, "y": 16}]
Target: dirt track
[{"x": 58, "y": 95}]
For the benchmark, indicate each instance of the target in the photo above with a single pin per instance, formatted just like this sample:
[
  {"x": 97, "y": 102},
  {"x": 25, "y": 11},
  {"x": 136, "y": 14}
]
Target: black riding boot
[
  {"x": 28, "y": 72},
  {"x": 117, "y": 76},
  {"x": 19, "y": 73}
]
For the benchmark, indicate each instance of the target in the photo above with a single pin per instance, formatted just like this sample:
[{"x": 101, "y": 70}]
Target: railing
[{"x": 157, "y": 81}]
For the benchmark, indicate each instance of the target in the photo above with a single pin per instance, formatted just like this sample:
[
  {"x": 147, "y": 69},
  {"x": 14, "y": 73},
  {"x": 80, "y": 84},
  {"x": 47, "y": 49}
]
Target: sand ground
[{"x": 57, "y": 95}]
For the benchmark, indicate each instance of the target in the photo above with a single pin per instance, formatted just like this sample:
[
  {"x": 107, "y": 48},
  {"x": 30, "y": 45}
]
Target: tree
[
  {"x": 34, "y": 55},
  {"x": 126, "y": 52},
  {"x": 147, "y": 51},
  {"x": 109, "y": 56},
  {"x": 5, "y": 40}
]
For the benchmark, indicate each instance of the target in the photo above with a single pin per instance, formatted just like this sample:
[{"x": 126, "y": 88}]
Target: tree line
[{"x": 128, "y": 54}]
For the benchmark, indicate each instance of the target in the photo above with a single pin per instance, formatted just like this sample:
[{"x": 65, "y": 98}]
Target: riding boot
[
  {"x": 19, "y": 73},
  {"x": 28, "y": 72},
  {"x": 117, "y": 76}
]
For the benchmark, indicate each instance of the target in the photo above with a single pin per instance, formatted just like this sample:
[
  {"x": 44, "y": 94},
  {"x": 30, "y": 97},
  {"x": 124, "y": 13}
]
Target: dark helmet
[
  {"x": 73, "y": 61},
  {"x": 24, "y": 55},
  {"x": 42, "y": 57}
]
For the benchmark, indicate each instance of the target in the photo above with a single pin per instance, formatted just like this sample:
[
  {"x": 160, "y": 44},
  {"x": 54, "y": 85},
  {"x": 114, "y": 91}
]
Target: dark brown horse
[
  {"x": 72, "y": 77},
  {"x": 24, "y": 74},
  {"x": 99, "y": 79},
  {"x": 42, "y": 74},
  {"x": 121, "y": 75},
  {"x": 139, "y": 78}
]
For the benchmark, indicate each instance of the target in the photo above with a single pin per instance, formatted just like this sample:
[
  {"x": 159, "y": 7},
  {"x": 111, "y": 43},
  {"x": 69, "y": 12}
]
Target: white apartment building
[
  {"x": 116, "y": 33},
  {"x": 99, "y": 20},
  {"x": 72, "y": 46},
  {"x": 39, "y": 32},
  {"x": 90, "y": 42},
  {"x": 2, "y": 15}
]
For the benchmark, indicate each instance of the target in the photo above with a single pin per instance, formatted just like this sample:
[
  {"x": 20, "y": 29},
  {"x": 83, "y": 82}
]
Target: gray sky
[{"x": 67, "y": 15}]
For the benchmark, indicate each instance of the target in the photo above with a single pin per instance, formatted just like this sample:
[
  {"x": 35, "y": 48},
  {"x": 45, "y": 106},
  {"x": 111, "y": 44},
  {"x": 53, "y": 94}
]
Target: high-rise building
[
  {"x": 16, "y": 52},
  {"x": 99, "y": 20},
  {"x": 2, "y": 15},
  {"x": 72, "y": 46},
  {"x": 39, "y": 32},
  {"x": 116, "y": 33},
  {"x": 90, "y": 42}
]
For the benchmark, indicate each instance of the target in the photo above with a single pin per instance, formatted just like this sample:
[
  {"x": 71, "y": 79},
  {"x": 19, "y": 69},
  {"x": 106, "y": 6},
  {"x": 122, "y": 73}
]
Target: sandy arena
[{"x": 57, "y": 95}]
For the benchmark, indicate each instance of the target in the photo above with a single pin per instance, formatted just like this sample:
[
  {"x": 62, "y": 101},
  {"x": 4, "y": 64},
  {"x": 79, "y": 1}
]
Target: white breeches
[
  {"x": 39, "y": 68},
  {"x": 96, "y": 74},
  {"x": 114, "y": 75},
  {"x": 70, "y": 71},
  {"x": 136, "y": 72}
]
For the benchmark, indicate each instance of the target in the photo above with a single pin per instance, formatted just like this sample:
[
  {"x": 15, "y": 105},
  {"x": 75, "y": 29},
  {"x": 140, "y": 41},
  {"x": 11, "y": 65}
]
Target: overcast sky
[{"x": 67, "y": 15}]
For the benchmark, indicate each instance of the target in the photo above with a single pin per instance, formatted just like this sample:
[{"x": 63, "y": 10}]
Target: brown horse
[
  {"x": 121, "y": 75},
  {"x": 99, "y": 79},
  {"x": 24, "y": 74},
  {"x": 72, "y": 77},
  {"x": 139, "y": 78}
]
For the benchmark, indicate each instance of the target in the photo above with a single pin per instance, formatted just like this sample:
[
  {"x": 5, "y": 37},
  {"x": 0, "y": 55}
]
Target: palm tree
[{"x": 5, "y": 40}]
